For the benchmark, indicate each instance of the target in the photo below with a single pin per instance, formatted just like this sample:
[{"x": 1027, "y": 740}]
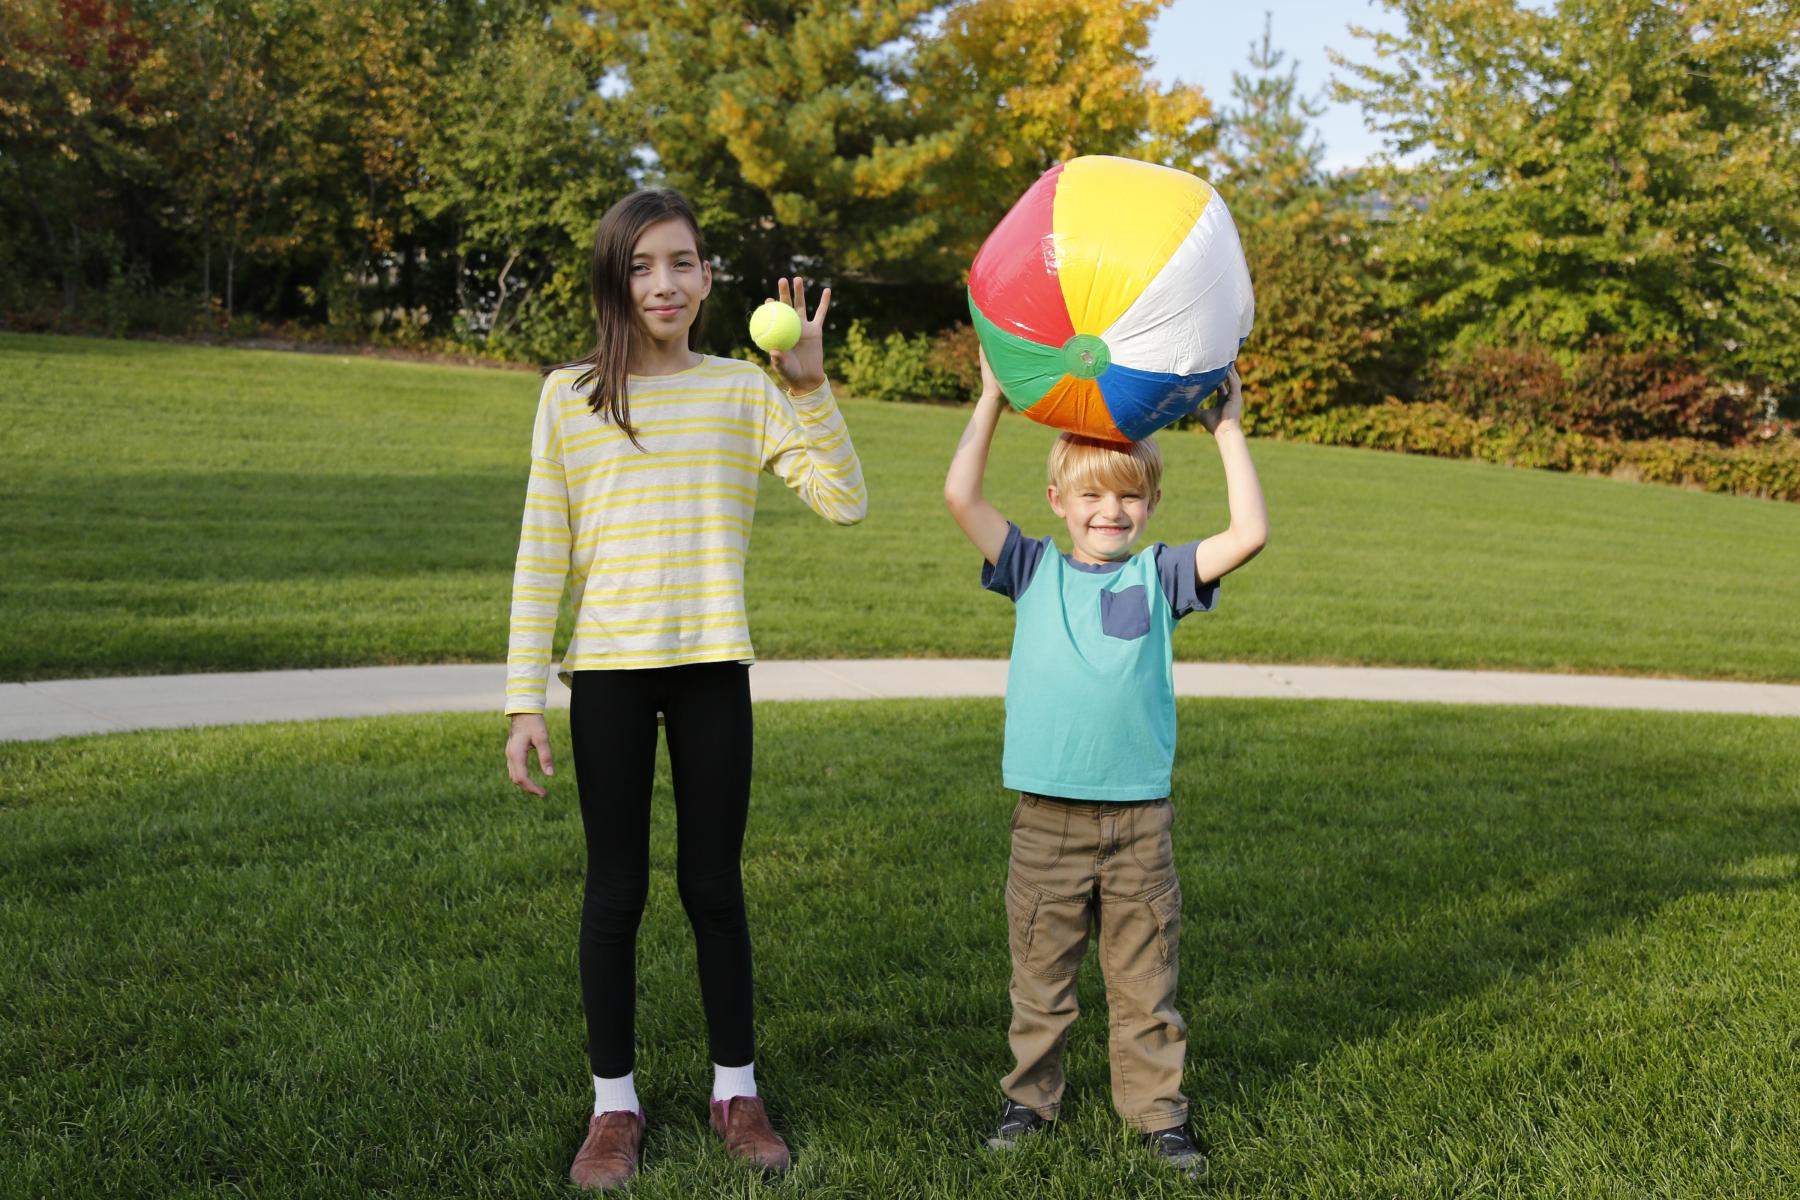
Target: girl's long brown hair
[{"x": 615, "y": 318}]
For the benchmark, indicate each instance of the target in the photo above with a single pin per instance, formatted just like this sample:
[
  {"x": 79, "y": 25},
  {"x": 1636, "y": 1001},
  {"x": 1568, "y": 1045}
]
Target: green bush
[
  {"x": 898, "y": 367},
  {"x": 553, "y": 324},
  {"x": 1320, "y": 334},
  {"x": 1770, "y": 469},
  {"x": 127, "y": 305},
  {"x": 1768, "y": 466}
]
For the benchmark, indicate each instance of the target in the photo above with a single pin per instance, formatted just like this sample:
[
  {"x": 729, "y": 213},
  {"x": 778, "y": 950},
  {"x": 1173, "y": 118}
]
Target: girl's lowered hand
[
  {"x": 528, "y": 732},
  {"x": 803, "y": 367}
]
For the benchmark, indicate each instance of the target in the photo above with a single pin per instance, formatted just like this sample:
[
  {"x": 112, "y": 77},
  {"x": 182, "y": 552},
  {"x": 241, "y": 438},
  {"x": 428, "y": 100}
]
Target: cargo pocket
[
  {"x": 1125, "y": 613},
  {"x": 1046, "y": 934},
  {"x": 1167, "y": 910},
  {"x": 1145, "y": 935},
  {"x": 1021, "y": 909}
]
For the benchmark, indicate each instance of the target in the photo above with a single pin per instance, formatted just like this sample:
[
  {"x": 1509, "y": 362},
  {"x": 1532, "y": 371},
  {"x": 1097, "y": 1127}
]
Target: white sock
[
  {"x": 616, "y": 1095},
  {"x": 734, "y": 1081}
]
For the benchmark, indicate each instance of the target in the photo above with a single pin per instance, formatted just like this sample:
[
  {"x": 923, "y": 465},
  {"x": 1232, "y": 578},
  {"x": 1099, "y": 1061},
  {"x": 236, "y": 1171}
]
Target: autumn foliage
[{"x": 1587, "y": 231}]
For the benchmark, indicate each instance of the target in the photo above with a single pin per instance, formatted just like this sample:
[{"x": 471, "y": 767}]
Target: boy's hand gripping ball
[
  {"x": 1113, "y": 298},
  {"x": 775, "y": 326}
]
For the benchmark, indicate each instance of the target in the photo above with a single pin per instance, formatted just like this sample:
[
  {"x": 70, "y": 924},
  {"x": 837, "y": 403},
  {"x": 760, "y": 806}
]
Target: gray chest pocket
[{"x": 1125, "y": 613}]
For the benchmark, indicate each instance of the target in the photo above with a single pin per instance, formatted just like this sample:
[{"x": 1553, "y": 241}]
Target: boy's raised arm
[
  {"x": 1248, "y": 533},
  {"x": 980, "y": 521}
]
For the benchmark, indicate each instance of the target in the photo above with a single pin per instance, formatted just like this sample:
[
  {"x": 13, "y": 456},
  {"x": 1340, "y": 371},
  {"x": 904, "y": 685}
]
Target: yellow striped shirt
[{"x": 654, "y": 540}]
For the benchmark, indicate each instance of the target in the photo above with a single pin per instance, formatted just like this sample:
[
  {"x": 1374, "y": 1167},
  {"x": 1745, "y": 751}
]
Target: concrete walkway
[{"x": 65, "y": 707}]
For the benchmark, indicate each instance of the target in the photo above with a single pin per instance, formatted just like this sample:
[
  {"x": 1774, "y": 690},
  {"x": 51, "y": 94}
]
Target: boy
[{"x": 1090, "y": 742}]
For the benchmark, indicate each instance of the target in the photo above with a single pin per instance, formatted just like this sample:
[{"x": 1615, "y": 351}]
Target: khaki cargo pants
[{"x": 1078, "y": 866}]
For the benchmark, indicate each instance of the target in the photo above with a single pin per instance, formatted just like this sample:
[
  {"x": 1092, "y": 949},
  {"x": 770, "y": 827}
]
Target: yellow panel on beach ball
[{"x": 1117, "y": 223}]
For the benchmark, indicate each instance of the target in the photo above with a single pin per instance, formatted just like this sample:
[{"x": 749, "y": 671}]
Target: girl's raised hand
[{"x": 803, "y": 367}]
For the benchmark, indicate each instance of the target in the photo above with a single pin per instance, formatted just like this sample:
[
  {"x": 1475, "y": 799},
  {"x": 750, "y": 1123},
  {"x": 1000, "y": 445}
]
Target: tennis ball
[{"x": 775, "y": 326}]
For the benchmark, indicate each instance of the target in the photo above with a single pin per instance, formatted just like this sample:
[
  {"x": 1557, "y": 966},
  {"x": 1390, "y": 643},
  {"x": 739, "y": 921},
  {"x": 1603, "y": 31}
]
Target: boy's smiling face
[{"x": 1104, "y": 523}]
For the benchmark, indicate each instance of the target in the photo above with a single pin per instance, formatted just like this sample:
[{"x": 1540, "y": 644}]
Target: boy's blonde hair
[{"x": 1078, "y": 462}]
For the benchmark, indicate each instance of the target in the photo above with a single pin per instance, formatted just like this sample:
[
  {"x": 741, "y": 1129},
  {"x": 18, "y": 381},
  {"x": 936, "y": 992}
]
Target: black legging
[{"x": 612, "y": 723}]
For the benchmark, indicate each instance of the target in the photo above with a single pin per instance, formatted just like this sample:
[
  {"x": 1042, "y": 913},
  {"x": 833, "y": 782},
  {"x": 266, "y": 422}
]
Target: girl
[{"x": 644, "y": 463}]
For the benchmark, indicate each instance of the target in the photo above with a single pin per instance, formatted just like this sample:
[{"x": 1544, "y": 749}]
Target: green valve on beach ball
[
  {"x": 775, "y": 326},
  {"x": 1086, "y": 356}
]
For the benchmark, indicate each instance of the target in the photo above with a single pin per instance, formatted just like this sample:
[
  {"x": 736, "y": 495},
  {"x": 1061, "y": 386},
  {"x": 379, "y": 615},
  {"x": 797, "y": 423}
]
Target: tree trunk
[
  {"x": 462, "y": 282},
  {"x": 72, "y": 270}
]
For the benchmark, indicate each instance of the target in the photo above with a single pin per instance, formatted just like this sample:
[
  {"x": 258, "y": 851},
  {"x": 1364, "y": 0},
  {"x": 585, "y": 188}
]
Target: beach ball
[{"x": 1112, "y": 298}]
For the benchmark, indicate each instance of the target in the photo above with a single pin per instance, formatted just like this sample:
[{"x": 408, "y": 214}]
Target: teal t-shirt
[{"x": 1090, "y": 692}]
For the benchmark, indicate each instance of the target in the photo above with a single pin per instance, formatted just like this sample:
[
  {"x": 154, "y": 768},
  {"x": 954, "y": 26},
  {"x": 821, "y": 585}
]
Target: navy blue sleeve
[
  {"x": 1019, "y": 557},
  {"x": 1175, "y": 568}
]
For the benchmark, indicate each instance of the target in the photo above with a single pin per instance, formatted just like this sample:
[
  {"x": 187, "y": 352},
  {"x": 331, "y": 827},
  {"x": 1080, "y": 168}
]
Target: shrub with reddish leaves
[
  {"x": 1766, "y": 466},
  {"x": 1654, "y": 394},
  {"x": 954, "y": 349},
  {"x": 1608, "y": 393}
]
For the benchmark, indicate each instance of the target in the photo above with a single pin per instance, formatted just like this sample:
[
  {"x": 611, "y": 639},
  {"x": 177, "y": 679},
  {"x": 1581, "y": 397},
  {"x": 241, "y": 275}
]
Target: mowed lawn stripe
[
  {"x": 1427, "y": 952},
  {"x": 172, "y": 508}
]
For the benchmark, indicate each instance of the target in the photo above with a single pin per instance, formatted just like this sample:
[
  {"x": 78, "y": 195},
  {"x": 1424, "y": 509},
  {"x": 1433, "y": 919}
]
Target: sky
[{"x": 1203, "y": 41}]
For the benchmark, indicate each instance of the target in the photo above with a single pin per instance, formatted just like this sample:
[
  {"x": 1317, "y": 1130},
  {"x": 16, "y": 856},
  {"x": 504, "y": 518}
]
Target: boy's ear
[
  {"x": 1155, "y": 499},
  {"x": 1055, "y": 500}
]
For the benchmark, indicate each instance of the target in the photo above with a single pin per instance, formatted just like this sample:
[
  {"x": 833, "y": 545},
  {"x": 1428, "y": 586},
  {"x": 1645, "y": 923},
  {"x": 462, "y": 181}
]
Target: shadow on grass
[
  {"x": 1377, "y": 863},
  {"x": 345, "y": 916},
  {"x": 262, "y": 524},
  {"x": 1347, "y": 869},
  {"x": 257, "y": 570}
]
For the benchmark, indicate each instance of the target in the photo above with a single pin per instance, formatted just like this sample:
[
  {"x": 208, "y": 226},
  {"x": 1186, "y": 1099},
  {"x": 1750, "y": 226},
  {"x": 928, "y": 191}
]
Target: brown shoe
[
  {"x": 609, "y": 1156},
  {"x": 744, "y": 1124}
]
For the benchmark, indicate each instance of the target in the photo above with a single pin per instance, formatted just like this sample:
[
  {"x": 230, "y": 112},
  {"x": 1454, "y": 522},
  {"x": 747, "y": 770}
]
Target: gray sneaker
[
  {"x": 1177, "y": 1149},
  {"x": 1016, "y": 1122}
]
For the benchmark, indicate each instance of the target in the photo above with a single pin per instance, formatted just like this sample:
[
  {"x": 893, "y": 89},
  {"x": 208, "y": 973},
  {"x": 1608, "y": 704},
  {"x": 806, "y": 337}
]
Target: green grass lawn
[
  {"x": 1428, "y": 952},
  {"x": 173, "y": 508}
]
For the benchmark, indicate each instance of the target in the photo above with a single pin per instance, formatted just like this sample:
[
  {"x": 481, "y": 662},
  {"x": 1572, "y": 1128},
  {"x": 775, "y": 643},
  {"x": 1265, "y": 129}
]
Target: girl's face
[{"x": 669, "y": 279}]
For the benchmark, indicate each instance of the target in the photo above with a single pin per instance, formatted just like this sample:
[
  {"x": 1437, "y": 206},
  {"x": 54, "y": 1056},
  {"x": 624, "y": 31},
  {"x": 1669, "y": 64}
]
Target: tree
[
  {"x": 1318, "y": 319},
  {"x": 1622, "y": 169},
  {"x": 229, "y": 136},
  {"x": 525, "y": 155},
  {"x": 81, "y": 89},
  {"x": 1030, "y": 83},
  {"x": 380, "y": 164},
  {"x": 879, "y": 142},
  {"x": 782, "y": 122},
  {"x": 361, "y": 82}
]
